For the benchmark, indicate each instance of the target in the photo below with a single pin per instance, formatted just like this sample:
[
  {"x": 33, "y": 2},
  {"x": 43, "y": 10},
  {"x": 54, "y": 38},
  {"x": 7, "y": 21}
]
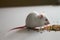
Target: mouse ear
[{"x": 40, "y": 16}]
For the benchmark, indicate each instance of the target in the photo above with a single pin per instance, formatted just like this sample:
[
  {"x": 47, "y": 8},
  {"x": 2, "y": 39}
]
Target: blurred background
[
  {"x": 14, "y": 12},
  {"x": 13, "y": 3}
]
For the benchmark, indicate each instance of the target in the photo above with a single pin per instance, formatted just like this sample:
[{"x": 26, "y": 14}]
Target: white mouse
[{"x": 34, "y": 20}]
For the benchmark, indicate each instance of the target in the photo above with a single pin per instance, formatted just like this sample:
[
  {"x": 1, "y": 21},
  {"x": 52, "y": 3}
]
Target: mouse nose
[{"x": 46, "y": 23}]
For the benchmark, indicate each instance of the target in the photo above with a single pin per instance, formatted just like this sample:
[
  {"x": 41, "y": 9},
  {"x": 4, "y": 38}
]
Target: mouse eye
[
  {"x": 47, "y": 22},
  {"x": 46, "y": 19}
]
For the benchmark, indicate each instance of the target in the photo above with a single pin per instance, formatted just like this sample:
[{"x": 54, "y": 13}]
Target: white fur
[{"x": 33, "y": 20}]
